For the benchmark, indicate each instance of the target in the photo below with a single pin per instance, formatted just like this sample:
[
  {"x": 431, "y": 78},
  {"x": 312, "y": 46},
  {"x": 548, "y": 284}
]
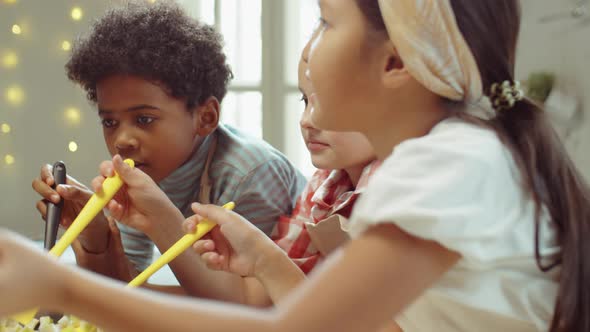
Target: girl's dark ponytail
[{"x": 554, "y": 183}]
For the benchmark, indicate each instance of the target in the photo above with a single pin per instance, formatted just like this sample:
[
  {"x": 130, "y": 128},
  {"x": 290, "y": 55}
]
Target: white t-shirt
[{"x": 460, "y": 186}]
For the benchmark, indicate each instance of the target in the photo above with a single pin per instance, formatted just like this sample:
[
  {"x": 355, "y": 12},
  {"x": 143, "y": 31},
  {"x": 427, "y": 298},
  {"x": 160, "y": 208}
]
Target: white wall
[{"x": 562, "y": 47}]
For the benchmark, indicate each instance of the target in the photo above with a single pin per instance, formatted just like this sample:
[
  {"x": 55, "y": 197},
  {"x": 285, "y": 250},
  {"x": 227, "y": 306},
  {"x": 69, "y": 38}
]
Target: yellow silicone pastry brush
[
  {"x": 204, "y": 227},
  {"x": 94, "y": 205}
]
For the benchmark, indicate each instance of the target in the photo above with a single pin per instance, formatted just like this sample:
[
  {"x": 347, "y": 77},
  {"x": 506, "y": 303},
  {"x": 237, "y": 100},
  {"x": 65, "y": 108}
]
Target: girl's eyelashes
[
  {"x": 322, "y": 22},
  {"x": 304, "y": 99}
]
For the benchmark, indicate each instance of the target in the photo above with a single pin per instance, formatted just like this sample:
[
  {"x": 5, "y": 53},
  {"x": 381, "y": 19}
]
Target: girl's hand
[
  {"x": 236, "y": 246},
  {"x": 140, "y": 204},
  {"x": 28, "y": 276}
]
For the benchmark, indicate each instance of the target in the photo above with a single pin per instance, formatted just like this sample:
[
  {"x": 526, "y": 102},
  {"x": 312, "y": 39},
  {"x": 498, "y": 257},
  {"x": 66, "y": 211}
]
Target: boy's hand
[
  {"x": 140, "y": 204},
  {"x": 236, "y": 246},
  {"x": 75, "y": 196},
  {"x": 28, "y": 276}
]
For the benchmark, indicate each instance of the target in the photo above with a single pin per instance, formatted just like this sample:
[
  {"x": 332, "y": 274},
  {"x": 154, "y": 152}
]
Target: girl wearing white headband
[{"x": 475, "y": 222}]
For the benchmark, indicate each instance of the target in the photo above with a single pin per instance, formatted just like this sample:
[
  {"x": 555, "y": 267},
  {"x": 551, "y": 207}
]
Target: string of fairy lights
[{"x": 15, "y": 95}]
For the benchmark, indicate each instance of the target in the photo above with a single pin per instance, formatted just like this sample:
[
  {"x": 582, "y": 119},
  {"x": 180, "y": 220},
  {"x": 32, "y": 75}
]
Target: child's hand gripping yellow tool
[
  {"x": 94, "y": 205},
  {"x": 204, "y": 227}
]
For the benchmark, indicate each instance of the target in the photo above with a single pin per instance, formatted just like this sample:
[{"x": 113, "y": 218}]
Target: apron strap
[{"x": 205, "y": 185}]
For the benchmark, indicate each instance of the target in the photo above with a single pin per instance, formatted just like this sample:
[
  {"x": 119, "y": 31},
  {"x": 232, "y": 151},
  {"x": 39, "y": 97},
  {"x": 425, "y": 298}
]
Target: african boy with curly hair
[{"x": 157, "y": 77}]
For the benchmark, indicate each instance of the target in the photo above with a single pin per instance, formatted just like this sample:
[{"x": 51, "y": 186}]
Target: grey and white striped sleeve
[
  {"x": 265, "y": 193},
  {"x": 139, "y": 249}
]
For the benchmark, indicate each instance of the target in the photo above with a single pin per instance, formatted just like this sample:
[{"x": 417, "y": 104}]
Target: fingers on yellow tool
[
  {"x": 204, "y": 227},
  {"x": 94, "y": 205}
]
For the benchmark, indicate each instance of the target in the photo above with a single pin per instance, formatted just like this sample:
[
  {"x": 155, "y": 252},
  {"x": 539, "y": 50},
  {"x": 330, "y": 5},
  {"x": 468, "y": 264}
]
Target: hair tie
[{"x": 504, "y": 96}]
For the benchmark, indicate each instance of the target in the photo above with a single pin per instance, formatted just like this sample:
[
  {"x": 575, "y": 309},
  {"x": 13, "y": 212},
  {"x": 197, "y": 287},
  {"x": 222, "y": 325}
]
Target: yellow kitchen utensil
[{"x": 204, "y": 227}]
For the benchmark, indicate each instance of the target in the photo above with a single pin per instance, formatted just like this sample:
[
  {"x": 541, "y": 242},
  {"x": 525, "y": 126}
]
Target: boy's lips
[{"x": 139, "y": 164}]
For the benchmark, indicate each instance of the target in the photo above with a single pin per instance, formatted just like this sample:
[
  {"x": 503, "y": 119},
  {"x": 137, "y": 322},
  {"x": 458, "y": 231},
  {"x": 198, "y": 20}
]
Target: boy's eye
[
  {"x": 304, "y": 99},
  {"x": 108, "y": 123},
  {"x": 144, "y": 120}
]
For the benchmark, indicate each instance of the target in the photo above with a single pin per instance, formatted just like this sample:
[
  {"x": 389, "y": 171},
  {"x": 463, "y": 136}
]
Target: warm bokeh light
[
  {"x": 9, "y": 159},
  {"x": 66, "y": 45},
  {"x": 72, "y": 116},
  {"x": 73, "y": 146},
  {"x": 76, "y": 13},
  {"x": 15, "y": 95},
  {"x": 9, "y": 60},
  {"x": 10, "y": 2},
  {"x": 16, "y": 29},
  {"x": 5, "y": 128}
]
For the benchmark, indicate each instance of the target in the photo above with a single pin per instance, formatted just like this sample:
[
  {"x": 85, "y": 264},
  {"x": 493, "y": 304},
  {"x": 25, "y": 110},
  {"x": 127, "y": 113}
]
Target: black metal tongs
[{"x": 54, "y": 210}]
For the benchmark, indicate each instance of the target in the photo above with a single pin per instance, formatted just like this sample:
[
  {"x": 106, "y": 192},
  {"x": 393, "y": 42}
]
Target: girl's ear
[
  {"x": 206, "y": 116},
  {"x": 394, "y": 73}
]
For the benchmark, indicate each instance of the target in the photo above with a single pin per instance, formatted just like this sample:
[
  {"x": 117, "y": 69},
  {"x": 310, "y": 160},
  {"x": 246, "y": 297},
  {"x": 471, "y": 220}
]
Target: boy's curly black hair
[{"x": 158, "y": 42}]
